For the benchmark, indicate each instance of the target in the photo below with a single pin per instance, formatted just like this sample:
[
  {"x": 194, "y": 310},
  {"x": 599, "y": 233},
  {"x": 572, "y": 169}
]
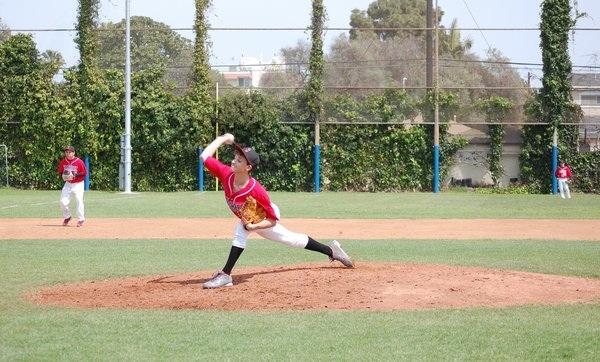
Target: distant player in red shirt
[
  {"x": 73, "y": 172},
  {"x": 238, "y": 185},
  {"x": 563, "y": 174}
]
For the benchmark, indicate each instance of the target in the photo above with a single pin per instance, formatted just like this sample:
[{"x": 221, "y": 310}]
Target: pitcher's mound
[{"x": 369, "y": 286}]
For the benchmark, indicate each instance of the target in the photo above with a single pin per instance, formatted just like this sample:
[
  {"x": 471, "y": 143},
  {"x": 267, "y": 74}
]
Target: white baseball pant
[
  {"x": 276, "y": 233},
  {"x": 563, "y": 187},
  {"x": 69, "y": 189}
]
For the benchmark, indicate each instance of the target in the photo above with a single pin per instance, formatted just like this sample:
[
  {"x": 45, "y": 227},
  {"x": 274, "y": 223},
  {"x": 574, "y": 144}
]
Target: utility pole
[
  {"x": 127, "y": 148},
  {"x": 436, "y": 129},
  {"x": 429, "y": 46}
]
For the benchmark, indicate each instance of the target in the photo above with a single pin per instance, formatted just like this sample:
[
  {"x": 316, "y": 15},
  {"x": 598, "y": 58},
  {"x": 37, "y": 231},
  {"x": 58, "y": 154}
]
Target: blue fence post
[
  {"x": 554, "y": 161},
  {"x": 554, "y": 167},
  {"x": 86, "y": 184},
  {"x": 436, "y": 168},
  {"x": 317, "y": 168},
  {"x": 200, "y": 170}
]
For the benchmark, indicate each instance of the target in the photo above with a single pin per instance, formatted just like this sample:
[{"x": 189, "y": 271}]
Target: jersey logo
[{"x": 235, "y": 207}]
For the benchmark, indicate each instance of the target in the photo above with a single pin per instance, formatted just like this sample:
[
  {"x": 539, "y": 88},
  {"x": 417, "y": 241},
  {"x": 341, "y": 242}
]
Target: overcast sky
[{"x": 228, "y": 46}]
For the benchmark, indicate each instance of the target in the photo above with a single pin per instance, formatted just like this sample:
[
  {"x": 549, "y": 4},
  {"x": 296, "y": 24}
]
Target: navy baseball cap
[{"x": 249, "y": 154}]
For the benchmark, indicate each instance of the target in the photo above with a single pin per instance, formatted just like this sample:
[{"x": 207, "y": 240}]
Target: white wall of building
[{"x": 471, "y": 163}]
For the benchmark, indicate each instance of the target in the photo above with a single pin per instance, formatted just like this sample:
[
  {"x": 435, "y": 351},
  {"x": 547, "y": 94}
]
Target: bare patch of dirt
[{"x": 369, "y": 286}]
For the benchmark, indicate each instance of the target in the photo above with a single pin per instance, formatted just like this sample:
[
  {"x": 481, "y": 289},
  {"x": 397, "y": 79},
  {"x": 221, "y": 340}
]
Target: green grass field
[
  {"x": 517, "y": 333},
  {"x": 446, "y": 205}
]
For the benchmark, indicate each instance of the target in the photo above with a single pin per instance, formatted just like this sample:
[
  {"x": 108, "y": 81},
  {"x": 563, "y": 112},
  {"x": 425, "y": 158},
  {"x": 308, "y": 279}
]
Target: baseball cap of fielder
[
  {"x": 249, "y": 154},
  {"x": 69, "y": 148}
]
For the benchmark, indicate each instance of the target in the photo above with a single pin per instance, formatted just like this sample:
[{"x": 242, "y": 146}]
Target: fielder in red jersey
[
  {"x": 238, "y": 185},
  {"x": 563, "y": 175},
  {"x": 73, "y": 171}
]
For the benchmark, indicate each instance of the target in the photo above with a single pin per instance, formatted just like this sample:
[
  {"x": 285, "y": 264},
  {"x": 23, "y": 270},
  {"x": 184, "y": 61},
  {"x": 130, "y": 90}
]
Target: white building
[
  {"x": 471, "y": 166},
  {"x": 250, "y": 71},
  {"x": 586, "y": 93}
]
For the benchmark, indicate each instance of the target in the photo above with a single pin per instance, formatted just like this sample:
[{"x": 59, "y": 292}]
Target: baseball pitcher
[{"x": 250, "y": 202}]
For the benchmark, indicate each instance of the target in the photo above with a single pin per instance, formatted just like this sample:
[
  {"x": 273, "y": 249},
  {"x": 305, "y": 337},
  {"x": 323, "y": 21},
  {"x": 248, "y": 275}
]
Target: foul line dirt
[{"x": 222, "y": 228}]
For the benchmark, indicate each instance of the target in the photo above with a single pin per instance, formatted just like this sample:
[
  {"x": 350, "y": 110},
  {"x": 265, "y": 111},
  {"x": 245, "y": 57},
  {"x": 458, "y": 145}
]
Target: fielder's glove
[
  {"x": 68, "y": 176},
  {"x": 251, "y": 212}
]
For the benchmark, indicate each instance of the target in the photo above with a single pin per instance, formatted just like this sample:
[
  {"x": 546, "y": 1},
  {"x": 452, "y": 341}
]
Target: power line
[
  {"x": 476, "y": 24},
  {"x": 395, "y": 87},
  {"x": 35, "y": 30},
  {"x": 420, "y": 123},
  {"x": 526, "y": 65}
]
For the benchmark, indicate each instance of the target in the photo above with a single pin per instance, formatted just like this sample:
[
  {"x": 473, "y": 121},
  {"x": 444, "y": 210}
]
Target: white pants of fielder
[
  {"x": 563, "y": 187},
  {"x": 68, "y": 190},
  {"x": 276, "y": 233}
]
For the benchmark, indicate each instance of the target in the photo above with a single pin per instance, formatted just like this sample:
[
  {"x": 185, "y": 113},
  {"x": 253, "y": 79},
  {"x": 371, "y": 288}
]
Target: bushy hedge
[
  {"x": 285, "y": 150},
  {"x": 40, "y": 116},
  {"x": 375, "y": 158},
  {"x": 586, "y": 172},
  {"x": 32, "y": 112}
]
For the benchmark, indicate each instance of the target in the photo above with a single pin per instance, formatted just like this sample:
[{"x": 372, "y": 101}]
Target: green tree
[
  {"x": 496, "y": 110},
  {"x": 553, "y": 104},
  {"x": 84, "y": 84},
  {"x": 32, "y": 114},
  {"x": 556, "y": 99},
  {"x": 389, "y": 14},
  {"x": 153, "y": 44},
  {"x": 314, "y": 88},
  {"x": 452, "y": 43},
  {"x": 4, "y": 31},
  {"x": 86, "y": 38},
  {"x": 298, "y": 57},
  {"x": 54, "y": 59},
  {"x": 200, "y": 66},
  {"x": 448, "y": 104},
  {"x": 192, "y": 118}
]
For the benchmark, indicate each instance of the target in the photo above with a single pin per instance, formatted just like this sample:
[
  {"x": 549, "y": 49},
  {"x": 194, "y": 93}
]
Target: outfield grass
[
  {"x": 518, "y": 333},
  {"x": 21, "y": 203},
  {"x": 50, "y": 333}
]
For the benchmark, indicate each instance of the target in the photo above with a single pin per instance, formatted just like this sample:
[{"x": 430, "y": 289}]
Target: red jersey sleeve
[
  {"x": 262, "y": 197},
  {"x": 217, "y": 168},
  {"x": 569, "y": 175},
  {"x": 61, "y": 167},
  {"x": 81, "y": 171}
]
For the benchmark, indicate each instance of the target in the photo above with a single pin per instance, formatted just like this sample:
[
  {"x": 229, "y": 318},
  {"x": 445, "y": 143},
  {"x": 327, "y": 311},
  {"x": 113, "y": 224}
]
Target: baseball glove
[
  {"x": 251, "y": 212},
  {"x": 68, "y": 175}
]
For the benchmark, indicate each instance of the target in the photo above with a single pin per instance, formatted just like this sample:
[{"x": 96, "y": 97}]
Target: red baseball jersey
[
  {"x": 563, "y": 172},
  {"x": 76, "y": 166},
  {"x": 235, "y": 200}
]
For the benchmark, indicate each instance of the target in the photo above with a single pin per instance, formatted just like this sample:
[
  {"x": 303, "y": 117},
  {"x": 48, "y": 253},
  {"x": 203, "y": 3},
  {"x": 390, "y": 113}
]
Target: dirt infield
[
  {"x": 370, "y": 286},
  {"x": 196, "y": 228}
]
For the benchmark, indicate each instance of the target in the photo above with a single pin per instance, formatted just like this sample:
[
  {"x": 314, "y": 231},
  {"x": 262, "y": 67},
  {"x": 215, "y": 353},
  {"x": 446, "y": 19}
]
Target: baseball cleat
[
  {"x": 340, "y": 255},
  {"x": 66, "y": 221},
  {"x": 80, "y": 223},
  {"x": 220, "y": 279}
]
